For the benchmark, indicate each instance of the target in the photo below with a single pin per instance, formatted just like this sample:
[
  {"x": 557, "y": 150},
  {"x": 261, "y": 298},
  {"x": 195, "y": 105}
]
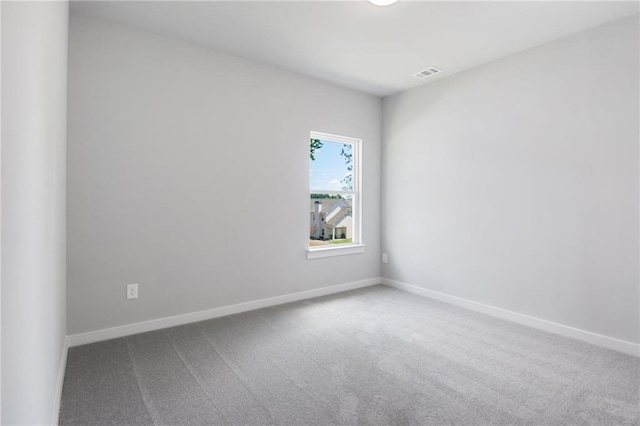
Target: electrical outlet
[
  {"x": 385, "y": 258},
  {"x": 132, "y": 291}
]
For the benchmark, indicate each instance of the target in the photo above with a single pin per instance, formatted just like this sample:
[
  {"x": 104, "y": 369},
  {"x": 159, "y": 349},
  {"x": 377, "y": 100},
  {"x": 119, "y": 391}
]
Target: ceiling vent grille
[{"x": 426, "y": 73}]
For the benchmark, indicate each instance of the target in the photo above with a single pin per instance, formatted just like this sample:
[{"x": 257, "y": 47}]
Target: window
[{"x": 335, "y": 196}]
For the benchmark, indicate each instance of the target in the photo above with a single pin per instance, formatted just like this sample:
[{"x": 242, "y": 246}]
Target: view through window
[{"x": 334, "y": 190}]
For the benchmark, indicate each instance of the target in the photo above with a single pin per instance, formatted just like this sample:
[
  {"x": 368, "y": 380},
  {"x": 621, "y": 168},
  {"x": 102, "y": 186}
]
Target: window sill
[{"x": 319, "y": 252}]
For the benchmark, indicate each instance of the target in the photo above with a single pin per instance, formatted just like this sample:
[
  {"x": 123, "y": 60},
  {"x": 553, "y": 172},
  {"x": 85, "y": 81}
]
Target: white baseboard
[
  {"x": 141, "y": 327},
  {"x": 540, "y": 324},
  {"x": 61, "y": 370}
]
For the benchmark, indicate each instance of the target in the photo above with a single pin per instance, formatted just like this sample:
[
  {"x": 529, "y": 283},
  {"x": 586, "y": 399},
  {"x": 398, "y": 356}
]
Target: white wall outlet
[
  {"x": 132, "y": 291},
  {"x": 385, "y": 258}
]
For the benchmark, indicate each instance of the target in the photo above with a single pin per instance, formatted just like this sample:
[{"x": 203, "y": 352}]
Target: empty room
[{"x": 377, "y": 212}]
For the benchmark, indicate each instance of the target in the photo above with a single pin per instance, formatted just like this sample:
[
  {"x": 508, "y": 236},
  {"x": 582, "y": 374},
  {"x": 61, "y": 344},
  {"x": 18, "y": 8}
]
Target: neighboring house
[{"x": 330, "y": 219}]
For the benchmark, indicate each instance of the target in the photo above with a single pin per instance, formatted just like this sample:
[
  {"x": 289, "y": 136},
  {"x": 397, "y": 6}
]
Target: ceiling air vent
[{"x": 426, "y": 73}]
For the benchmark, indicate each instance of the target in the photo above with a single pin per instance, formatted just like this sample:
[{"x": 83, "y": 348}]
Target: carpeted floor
[{"x": 375, "y": 356}]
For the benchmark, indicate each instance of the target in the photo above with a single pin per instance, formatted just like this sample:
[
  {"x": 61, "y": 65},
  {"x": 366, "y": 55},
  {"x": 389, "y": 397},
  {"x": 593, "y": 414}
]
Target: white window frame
[{"x": 356, "y": 246}]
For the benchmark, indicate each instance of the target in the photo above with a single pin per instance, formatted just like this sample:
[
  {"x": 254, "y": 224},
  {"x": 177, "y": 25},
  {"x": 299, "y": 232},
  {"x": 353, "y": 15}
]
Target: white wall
[
  {"x": 515, "y": 184},
  {"x": 186, "y": 168},
  {"x": 0, "y": 213},
  {"x": 34, "y": 66}
]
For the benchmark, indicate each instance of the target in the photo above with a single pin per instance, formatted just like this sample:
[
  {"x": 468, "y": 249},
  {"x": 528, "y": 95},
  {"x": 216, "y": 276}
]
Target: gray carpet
[{"x": 374, "y": 356}]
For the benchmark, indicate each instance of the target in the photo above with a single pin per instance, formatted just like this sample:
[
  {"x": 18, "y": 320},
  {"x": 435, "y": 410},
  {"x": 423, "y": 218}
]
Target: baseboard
[
  {"x": 61, "y": 370},
  {"x": 157, "y": 324},
  {"x": 540, "y": 324}
]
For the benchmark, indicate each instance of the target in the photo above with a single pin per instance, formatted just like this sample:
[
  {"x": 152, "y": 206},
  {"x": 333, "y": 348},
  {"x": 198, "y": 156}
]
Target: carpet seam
[
  {"x": 315, "y": 400},
  {"x": 284, "y": 336},
  {"x": 205, "y": 393},
  {"x": 240, "y": 379},
  {"x": 136, "y": 373},
  {"x": 320, "y": 337}
]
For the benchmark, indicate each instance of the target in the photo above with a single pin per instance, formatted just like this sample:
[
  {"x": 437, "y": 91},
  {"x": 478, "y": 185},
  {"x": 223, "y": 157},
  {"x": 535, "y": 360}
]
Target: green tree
[
  {"x": 347, "y": 153},
  {"x": 314, "y": 145},
  {"x": 326, "y": 196}
]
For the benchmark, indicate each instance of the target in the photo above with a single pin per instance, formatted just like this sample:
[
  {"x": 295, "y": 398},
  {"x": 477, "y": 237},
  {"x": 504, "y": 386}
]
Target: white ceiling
[{"x": 358, "y": 45}]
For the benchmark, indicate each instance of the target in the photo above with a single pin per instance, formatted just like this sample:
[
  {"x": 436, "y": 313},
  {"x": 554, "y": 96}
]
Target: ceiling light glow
[{"x": 383, "y": 2}]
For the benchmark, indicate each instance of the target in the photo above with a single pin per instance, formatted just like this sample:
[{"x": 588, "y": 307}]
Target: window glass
[{"x": 333, "y": 201}]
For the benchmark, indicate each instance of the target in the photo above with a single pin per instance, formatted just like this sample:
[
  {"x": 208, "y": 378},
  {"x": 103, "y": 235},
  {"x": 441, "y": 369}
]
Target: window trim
[
  {"x": 357, "y": 246},
  {"x": 320, "y": 252}
]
